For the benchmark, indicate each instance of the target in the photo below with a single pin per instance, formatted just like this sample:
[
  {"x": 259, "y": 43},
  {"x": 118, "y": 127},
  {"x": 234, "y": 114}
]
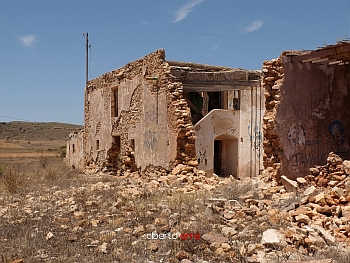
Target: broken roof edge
[
  {"x": 118, "y": 73},
  {"x": 159, "y": 54},
  {"x": 199, "y": 66},
  {"x": 194, "y": 65},
  {"x": 338, "y": 53}
]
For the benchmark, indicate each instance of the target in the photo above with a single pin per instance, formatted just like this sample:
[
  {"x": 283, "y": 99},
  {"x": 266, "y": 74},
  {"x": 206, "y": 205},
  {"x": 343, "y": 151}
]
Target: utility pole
[{"x": 87, "y": 56}]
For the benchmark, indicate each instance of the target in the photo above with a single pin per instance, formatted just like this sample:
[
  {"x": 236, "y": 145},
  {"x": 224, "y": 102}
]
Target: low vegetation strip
[
  {"x": 19, "y": 130},
  {"x": 27, "y": 154}
]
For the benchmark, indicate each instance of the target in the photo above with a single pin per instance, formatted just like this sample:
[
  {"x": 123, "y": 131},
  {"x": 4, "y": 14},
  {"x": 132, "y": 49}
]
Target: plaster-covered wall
[
  {"x": 98, "y": 140},
  {"x": 313, "y": 118},
  {"x": 310, "y": 116},
  {"x": 217, "y": 124},
  {"x": 154, "y": 142},
  {"x": 152, "y": 122},
  {"x": 252, "y": 110},
  {"x": 74, "y": 151},
  {"x": 240, "y": 132}
]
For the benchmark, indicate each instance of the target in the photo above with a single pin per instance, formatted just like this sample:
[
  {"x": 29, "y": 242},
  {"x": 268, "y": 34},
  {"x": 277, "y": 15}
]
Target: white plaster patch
[
  {"x": 297, "y": 135},
  {"x": 321, "y": 109},
  {"x": 318, "y": 114}
]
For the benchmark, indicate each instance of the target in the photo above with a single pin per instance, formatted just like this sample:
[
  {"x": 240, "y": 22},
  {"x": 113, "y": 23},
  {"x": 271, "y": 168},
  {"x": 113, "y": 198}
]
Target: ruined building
[
  {"x": 154, "y": 112},
  {"x": 307, "y": 109}
]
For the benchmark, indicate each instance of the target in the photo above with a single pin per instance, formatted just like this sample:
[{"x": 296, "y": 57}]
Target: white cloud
[
  {"x": 211, "y": 43},
  {"x": 28, "y": 41},
  {"x": 215, "y": 46},
  {"x": 255, "y": 25},
  {"x": 185, "y": 10}
]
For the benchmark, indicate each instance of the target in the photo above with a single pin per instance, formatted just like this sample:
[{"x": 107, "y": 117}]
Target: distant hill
[{"x": 36, "y": 131}]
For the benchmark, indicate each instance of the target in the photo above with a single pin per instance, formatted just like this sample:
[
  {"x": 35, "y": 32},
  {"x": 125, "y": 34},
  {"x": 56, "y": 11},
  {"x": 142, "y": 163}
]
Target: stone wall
[
  {"x": 307, "y": 114},
  {"x": 137, "y": 116},
  {"x": 74, "y": 151},
  {"x": 272, "y": 80},
  {"x": 153, "y": 122},
  {"x": 239, "y": 131}
]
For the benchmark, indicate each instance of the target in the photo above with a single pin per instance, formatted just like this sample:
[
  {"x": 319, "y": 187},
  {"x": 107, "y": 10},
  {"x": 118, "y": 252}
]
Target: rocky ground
[{"x": 55, "y": 215}]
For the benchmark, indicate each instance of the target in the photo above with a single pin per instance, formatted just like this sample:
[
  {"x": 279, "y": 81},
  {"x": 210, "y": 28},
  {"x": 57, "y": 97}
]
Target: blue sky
[{"x": 42, "y": 50}]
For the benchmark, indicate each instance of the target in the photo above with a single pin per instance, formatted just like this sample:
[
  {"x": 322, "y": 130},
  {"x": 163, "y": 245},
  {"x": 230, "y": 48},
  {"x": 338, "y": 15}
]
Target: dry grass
[
  {"x": 23, "y": 235},
  {"x": 12, "y": 181},
  {"x": 39, "y": 196}
]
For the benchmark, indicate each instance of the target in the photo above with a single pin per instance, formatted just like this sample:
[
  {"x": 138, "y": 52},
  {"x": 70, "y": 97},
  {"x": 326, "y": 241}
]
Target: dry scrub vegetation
[{"x": 51, "y": 214}]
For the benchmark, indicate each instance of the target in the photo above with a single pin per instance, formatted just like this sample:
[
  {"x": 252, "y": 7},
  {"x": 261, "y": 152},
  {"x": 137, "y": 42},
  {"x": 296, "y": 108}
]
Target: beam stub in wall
[
  {"x": 237, "y": 85},
  {"x": 330, "y": 53}
]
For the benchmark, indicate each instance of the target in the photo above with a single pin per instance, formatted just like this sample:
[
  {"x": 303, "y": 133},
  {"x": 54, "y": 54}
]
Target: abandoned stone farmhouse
[
  {"x": 154, "y": 112},
  {"x": 281, "y": 120}
]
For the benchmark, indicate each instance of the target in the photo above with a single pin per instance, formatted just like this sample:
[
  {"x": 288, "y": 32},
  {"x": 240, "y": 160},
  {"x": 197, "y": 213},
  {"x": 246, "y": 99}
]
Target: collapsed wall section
[
  {"x": 273, "y": 150},
  {"x": 307, "y": 112},
  {"x": 136, "y": 116}
]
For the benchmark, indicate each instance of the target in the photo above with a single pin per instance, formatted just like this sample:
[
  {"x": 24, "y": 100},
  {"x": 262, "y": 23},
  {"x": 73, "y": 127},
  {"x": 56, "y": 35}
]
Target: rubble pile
[
  {"x": 325, "y": 203},
  {"x": 249, "y": 220}
]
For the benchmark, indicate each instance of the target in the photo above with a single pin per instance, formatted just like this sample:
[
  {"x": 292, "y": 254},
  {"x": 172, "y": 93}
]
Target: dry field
[
  {"x": 51, "y": 214},
  {"x": 24, "y": 148},
  {"x": 34, "y": 139}
]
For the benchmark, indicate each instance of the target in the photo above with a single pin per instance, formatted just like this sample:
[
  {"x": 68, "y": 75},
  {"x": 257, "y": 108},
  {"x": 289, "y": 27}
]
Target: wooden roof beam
[
  {"x": 213, "y": 88},
  {"x": 334, "y": 51}
]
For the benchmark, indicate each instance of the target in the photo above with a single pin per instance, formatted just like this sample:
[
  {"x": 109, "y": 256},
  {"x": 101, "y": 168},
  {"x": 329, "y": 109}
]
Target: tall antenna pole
[{"x": 87, "y": 57}]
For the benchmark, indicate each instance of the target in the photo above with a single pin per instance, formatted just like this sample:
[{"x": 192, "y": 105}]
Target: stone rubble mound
[{"x": 255, "y": 220}]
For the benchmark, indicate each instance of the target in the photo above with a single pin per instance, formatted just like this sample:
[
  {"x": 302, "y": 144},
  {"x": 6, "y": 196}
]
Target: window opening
[
  {"x": 116, "y": 141},
  {"x": 132, "y": 144},
  {"x": 114, "y": 107},
  {"x": 217, "y": 156},
  {"x": 236, "y": 99},
  {"x": 214, "y": 101}
]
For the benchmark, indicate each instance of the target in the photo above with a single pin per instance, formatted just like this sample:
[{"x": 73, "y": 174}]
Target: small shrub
[
  {"x": 235, "y": 190},
  {"x": 43, "y": 160},
  {"x": 63, "y": 150},
  {"x": 12, "y": 181},
  {"x": 2, "y": 170},
  {"x": 337, "y": 253},
  {"x": 51, "y": 174}
]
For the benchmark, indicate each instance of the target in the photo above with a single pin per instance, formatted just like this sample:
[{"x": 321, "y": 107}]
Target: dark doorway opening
[
  {"x": 214, "y": 100},
  {"x": 226, "y": 155},
  {"x": 217, "y": 156}
]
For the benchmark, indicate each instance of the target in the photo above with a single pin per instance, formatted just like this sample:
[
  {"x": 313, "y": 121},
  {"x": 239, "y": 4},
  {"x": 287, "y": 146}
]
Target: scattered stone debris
[{"x": 248, "y": 220}]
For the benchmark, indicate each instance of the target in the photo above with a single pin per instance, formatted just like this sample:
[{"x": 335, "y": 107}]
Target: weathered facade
[
  {"x": 75, "y": 150},
  {"x": 154, "y": 112},
  {"x": 307, "y": 110}
]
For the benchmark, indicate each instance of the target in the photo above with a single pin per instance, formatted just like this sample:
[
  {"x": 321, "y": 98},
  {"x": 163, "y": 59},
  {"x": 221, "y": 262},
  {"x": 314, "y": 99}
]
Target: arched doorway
[{"x": 225, "y": 155}]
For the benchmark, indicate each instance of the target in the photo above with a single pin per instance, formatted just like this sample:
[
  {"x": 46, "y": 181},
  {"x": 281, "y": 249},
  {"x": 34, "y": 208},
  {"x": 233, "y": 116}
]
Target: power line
[{"x": 13, "y": 118}]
